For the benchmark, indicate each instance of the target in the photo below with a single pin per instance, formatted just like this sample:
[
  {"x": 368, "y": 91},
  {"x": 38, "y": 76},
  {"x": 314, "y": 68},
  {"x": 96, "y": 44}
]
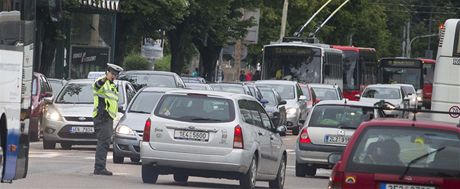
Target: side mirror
[
  {"x": 357, "y": 96},
  {"x": 282, "y": 102},
  {"x": 121, "y": 109},
  {"x": 334, "y": 158},
  {"x": 406, "y": 99},
  {"x": 48, "y": 100},
  {"x": 302, "y": 98},
  {"x": 281, "y": 130}
]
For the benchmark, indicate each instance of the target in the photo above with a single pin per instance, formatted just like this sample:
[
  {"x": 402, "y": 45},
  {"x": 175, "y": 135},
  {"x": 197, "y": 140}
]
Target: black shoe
[{"x": 103, "y": 172}]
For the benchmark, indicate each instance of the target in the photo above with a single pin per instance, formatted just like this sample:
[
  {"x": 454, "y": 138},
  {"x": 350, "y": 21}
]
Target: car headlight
[
  {"x": 125, "y": 130},
  {"x": 291, "y": 111},
  {"x": 53, "y": 115},
  {"x": 419, "y": 98}
]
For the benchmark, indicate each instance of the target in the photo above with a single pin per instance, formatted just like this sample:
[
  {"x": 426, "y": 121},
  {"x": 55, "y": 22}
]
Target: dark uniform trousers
[{"x": 104, "y": 131}]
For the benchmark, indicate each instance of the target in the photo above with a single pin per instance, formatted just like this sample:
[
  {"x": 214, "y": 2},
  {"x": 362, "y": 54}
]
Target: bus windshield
[
  {"x": 350, "y": 70},
  {"x": 402, "y": 75},
  {"x": 292, "y": 63}
]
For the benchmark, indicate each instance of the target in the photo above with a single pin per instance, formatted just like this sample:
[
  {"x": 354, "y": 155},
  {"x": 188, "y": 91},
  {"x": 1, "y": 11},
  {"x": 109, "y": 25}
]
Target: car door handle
[
  {"x": 260, "y": 133},
  {"x": 272, "y": 138}
]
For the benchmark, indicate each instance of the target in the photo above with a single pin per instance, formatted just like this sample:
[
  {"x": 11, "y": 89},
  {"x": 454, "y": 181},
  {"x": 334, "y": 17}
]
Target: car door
[
  {"x": 263, "y": 137},
  {"x": 275, "y": 141}
]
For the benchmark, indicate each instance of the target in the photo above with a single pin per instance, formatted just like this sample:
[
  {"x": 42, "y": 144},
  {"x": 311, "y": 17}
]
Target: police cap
[{"x": 115, "y": 69}]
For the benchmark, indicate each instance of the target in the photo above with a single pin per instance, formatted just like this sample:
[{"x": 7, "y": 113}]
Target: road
[{"x": 73, "y": 169}]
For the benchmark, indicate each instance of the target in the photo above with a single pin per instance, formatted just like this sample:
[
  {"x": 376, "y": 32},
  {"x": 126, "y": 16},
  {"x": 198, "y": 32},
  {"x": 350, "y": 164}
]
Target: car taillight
[
  {"x": 304, "y": 137},
  {"x": 336, "y": 180},
  {"x": 238, "y": 137},
  {"x": 148, "y": 124}
]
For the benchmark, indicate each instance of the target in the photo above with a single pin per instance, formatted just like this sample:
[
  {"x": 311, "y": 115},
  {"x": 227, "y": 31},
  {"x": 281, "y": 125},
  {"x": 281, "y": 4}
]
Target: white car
[
  {"x": 391, "y": 93},
  {"x": 212, "y": 134}
]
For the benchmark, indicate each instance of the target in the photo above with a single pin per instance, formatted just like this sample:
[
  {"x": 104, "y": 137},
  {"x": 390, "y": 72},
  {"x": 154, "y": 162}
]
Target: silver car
[
  {"x": 212, "y": 134},
  {"x": 296, "y": 105},
  {"x": 327, "y": 130},
  {"x": 130, "y": 128},
  {"x": 392, "y": 93},
  {"x": 68, "y": 116}
]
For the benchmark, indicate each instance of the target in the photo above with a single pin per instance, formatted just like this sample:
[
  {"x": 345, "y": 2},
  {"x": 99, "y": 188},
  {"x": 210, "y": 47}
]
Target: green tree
[{"x": 135, "y": 61}]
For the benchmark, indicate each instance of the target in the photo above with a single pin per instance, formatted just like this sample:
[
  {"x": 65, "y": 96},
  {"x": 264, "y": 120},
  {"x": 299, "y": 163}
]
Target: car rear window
[
  {"x": 326, "y": 93},
  {"x": 238, "y": 89},
  {"x": 339, "y": 116},
  {"x": 390, "y": 150},
  {"x": 145, "y": 102},
  {"x": 153, "y": 80},
  {"x": 195, "y": 108},
  {"x": 382, "y": 93}
]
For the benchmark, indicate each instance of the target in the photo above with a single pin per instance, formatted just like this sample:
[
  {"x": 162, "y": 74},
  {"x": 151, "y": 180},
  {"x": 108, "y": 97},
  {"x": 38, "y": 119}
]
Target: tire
[
  {"x": 118, "y": 159},
  {"x": 135, "y": 160},
  {"x": 295, "y": 130},
  {"x": 248, "y": 180},
  {"x": 180, "y": 177},
  {"x": 278, "y": 183},
  {"x": 66, "y": 146},
  {"x": 300, "y": 170},
  {"x": 149, "y": 174},
  {"x": 47, "y": 145}
]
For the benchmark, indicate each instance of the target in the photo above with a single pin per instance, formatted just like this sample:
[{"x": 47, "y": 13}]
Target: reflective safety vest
[{"x": 109, "y": 93}]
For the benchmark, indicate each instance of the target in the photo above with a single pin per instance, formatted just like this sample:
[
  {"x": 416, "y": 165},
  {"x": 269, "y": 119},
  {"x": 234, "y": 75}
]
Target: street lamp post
[{"x": 417, "y": 37}]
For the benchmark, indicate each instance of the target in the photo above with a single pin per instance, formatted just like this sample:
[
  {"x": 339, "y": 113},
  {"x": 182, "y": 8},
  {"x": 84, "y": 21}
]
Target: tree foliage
[{"x": 135, "y": 62}]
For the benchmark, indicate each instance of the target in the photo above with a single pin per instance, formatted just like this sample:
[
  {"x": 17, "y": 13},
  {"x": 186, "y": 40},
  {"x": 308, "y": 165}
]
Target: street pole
[
  {"x": 409, "y": 49},
  {"x": 238, "y": 46},
  {"x": 284, "y": 19}
]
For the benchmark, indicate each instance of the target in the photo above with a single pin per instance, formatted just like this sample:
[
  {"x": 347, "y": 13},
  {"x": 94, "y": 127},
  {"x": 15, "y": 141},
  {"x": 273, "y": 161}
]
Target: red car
[
  {"x": 399, "y": 154},
  {"x": 40, "y": 90}
]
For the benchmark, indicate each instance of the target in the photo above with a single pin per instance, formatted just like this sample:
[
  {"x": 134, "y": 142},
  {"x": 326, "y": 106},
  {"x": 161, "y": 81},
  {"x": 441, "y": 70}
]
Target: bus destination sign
[{"x": 403, "y": 62}]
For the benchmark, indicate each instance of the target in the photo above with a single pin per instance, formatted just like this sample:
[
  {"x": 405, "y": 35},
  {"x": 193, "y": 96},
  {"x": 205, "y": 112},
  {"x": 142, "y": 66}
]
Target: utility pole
[{"x": 284, "y": 20}]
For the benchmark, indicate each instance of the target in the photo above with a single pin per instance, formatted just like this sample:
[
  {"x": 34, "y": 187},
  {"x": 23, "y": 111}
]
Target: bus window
[
  {"x": 457, "y": 41},
  {"x": 428, "y": 73}
]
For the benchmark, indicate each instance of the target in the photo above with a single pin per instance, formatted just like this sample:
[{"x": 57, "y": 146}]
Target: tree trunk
[
  {"x": 178, "y": 40},
  {"x": 209, "y": 54}
]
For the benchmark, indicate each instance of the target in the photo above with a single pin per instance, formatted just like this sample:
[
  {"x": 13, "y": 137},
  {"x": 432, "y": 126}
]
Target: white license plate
[
  {"x": 403, "y": 186},
  {"x": 191, "y": 135},
  {"x": 334, "y": 139},
  {"x": 82, "y": 130}
]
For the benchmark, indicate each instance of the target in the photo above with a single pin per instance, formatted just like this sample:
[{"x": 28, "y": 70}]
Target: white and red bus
[
  {"x": 415, "y": 71},
  {"x": 359, "y": 69},
  {"x": 303, "y": 62}
]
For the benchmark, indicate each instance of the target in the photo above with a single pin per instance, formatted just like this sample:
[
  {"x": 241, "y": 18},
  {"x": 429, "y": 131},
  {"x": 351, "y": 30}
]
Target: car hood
[
  {"x": 74, "y": 110},
  {"x": 395, "y": 102},
  {"x": 135, "y": 121}
]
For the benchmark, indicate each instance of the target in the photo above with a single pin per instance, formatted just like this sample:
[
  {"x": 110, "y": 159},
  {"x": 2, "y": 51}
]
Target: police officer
[{"x": 105, "y": 94}]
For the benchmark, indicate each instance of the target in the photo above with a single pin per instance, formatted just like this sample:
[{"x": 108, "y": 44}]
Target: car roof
[
  {"x": 404, "y": 85},
  {"x": 157, "y": 89},
  {"x": 197, "y": 84},
  {"x": 323, "y": 86},
  {"x": 236, "y": 84},
  {"x": 90, "y": 81},
  {"x": 403, "y": 123},
  {"x": 345, "y": 102},
  {"x": 219, "y": 94},
  {"x": 147, "y": 72},
  {"x": 276, "y": 82},
  {"x": 384, "y": 86}
]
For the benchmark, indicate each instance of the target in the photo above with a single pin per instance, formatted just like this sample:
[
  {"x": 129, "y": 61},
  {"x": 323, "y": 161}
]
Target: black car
[{"x": 142, "y": 78}]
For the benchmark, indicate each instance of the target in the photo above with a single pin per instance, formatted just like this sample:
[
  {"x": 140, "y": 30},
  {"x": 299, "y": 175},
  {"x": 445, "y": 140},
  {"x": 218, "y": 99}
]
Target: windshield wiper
[
  {"x": 417, "y": 159},
  {"x": 141, "y": 112}
]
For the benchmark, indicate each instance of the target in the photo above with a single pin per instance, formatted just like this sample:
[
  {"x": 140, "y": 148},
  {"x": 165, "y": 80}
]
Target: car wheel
[
  {"x": 149, "y": 174},
  {"x": 48, "y": 145},
  {"x": 248, "y": 180},
  {"x": 178, "y": 177},
  {"x": 135, "y": 160},
  {"x": 278, "y": 183},
  {"x": 310, "y": 170},
  {"x": 295, "y": 130},
  {"x": 118, "y": 159},
  {"x": 66, "y": 146},
  {"x": 300, "y": 170}
]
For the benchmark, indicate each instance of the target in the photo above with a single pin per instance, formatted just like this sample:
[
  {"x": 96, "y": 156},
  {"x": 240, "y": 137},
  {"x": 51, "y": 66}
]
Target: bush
[
  {"x": 163, "y": 64},
  {"x": 135, "y": 62}
]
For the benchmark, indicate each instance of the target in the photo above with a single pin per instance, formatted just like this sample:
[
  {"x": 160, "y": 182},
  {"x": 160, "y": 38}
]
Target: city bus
[
  {"x": 17, "y": 41},
  {"x": 302, "y": 62},
  {"x": 359, "y": 69},
  {"x": 446, "y": 83},
  {"x": 415, "y": 71}
]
